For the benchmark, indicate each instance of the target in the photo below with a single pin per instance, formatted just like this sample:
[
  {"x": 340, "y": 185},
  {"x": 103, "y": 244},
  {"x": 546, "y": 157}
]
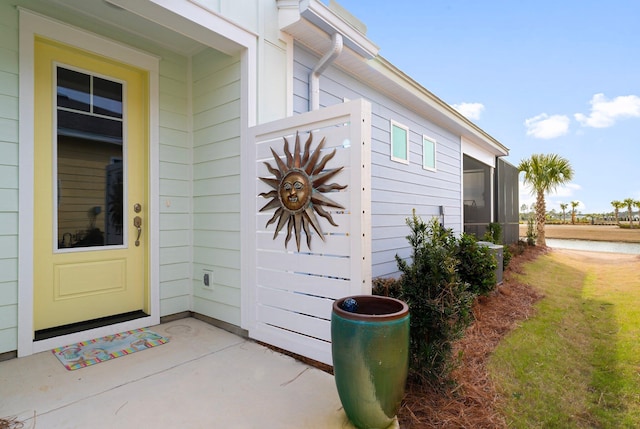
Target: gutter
[{"x": 325, "y": 61}]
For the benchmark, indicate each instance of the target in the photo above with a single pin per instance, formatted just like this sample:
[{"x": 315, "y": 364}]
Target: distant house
[{"x": 135, "y": 139}]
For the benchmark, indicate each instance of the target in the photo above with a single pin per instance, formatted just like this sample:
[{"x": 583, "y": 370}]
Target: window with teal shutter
[
  {"x": 399, "y": 143},
  {"x": 428, "y": 153}
]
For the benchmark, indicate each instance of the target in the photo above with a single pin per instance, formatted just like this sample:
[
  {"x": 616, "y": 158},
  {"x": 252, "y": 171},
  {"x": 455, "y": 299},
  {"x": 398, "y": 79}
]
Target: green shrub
[
  {"x": 506, "y": 256},
  {"x": 531, "y": 232},
  {"x": 439, "y": 284},
  {"x": 518, "y": 248},
  {"x": 476, "y": 265},
  {"x": 439, "y": 301},
  {"x": 494, "y": 233}
]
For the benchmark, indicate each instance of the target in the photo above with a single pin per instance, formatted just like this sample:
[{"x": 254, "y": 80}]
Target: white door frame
[{"x": 32, "y": 24}]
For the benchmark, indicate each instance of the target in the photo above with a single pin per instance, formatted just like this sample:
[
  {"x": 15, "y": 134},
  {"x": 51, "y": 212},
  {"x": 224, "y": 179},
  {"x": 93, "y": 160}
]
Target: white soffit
[
  {"x": 475, "y": 151},
  {"x": 114, "y": 16}
]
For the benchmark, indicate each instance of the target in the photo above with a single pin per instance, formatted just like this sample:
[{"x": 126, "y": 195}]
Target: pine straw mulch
[
  {"x": 471, "y": 400},
  {"x": 10, "y": 423}
]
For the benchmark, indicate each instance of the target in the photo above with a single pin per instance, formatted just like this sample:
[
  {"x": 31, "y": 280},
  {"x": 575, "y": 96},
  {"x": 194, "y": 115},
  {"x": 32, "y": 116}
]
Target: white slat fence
[{"x": 287, "y": 295}]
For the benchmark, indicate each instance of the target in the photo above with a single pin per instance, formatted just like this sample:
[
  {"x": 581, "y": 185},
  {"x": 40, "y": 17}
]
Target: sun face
[{"x": 298, "y": 189}]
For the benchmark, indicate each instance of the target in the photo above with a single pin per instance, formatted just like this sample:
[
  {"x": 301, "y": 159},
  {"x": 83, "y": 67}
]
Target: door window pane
[
  {"x": 89, "y": 156},
  {"x": 107, "y": 97},
  {"x": 74, "y": 90}
]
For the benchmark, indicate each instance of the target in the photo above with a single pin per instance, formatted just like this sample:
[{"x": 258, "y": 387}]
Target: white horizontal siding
[
  {"x": 216, "y": 185},
  {"x": 397, "y": 188},
  {"x": 8, "y": 177},
  {"x": 174, "y": 186}
]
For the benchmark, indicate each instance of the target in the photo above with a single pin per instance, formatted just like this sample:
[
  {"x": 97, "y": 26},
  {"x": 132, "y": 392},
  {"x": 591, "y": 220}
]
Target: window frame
[
  {"x": 406, "y": 143},
  {"x": 426, "y": 138}
]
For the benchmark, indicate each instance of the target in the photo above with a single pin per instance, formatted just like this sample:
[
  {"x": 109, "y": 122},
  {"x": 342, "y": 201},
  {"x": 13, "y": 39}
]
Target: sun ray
[
  {"x": 270, "y": 194},
  {"x": 307, "y": 232},
  {"x": 311, "y": 164},
  {"x": 297, "y": 226},
  {"x": 289, "y": 229},
  {"x": 271, "y": 205},
  {"x": 325, "y": 214},
  {"x": 283, "y": 219},
  {"x": 275, "y": 216},
  {"x": 318, "y": 198},
  {"x": 281, "y": 165},
  {"x": 313, "y": 220},
  {"x": 274, "y": 183},
  {"x": 274, "y": 171},
  {"x": 323, "y": 177},
  {"x": 307, "y": 146},
  {"x": 324, "y": 161},
  {"x": 296, "y": 153},
  {"x": 287, "y": 153},
  {"x": 331, "y": 187}
]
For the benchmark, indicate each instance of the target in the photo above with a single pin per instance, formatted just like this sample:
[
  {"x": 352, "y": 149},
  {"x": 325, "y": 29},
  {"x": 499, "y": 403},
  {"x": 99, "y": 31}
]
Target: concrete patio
[{"x": 204, "y": 377}]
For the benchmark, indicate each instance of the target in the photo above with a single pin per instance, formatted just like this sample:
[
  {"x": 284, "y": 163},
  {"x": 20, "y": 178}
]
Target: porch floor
[{"x": 204, "y": 377}]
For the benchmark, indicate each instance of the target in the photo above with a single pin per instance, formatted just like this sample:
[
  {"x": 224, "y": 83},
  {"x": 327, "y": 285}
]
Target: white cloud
[
  {"x": 470, "y": 110},
  {"x": 562, "y": 194},
  {"x": 567, "y": 190},
  {"x": 604, "y": 112},
  {"x": 544, "y": 126}
]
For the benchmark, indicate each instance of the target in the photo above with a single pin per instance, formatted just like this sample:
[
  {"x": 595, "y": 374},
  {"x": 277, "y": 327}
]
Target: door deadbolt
[{"x": 137, "y": 208}]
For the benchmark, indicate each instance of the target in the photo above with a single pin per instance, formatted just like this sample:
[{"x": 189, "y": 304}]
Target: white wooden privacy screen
[{"x": 287, "y": 295}]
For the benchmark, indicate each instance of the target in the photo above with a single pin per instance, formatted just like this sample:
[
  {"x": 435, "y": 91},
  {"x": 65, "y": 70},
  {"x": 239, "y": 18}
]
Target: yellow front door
[{"x": 90, "y": 187}]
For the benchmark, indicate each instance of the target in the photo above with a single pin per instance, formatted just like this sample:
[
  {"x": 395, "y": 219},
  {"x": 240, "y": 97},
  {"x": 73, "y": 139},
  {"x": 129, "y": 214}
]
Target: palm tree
[
  {"x": 574, "y": 204},
  {"x": 564, "y": 206},
  {"x": 617, "y": 205},
  {"x": 544, "y": 172},
  {"x": 628, "y": 202}
]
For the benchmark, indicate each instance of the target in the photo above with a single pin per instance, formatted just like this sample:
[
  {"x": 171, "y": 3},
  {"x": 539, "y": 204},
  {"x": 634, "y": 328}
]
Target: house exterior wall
[
  {"x": 396, "y": 188},
  {"x": 207, "y": 99},
  {"x": 216, "y": 185},
  {"x": 198, "y": 174},
  {"x": 8, "y": 177}
]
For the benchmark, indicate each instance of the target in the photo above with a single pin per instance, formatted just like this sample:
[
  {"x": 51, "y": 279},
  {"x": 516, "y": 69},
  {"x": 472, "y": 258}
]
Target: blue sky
[{"x": 540, "y": 76}]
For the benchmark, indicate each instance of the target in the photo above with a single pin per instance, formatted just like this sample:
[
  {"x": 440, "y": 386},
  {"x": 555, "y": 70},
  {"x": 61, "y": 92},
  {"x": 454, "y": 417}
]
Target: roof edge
[{"x": 446, "y": 109}]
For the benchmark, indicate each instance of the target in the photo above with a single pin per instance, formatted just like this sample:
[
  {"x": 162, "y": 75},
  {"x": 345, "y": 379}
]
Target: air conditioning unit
[{"x": 498, "y": 252}]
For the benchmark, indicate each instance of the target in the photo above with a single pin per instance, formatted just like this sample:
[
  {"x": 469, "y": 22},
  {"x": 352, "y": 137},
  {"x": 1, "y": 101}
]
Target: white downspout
[{"x": 314, "y": 76}]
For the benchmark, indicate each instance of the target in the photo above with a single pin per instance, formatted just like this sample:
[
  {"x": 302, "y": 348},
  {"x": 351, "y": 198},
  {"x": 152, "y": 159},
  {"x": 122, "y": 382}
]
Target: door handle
[{"x": 137, "y": 222}]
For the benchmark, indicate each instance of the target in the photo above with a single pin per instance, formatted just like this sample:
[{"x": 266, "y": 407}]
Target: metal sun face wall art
[{"x": 298, "y": 188}]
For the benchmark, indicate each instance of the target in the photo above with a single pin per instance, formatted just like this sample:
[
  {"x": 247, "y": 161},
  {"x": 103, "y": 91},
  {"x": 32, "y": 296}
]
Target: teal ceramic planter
[{"x": 370, "y": 350}]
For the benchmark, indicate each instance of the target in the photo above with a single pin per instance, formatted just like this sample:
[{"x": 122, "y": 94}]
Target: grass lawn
[{"x": 576, "y": 363}]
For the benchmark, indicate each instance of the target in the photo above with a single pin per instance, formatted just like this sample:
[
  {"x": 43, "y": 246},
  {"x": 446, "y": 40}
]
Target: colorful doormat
[{"x": 102, "y": 349}]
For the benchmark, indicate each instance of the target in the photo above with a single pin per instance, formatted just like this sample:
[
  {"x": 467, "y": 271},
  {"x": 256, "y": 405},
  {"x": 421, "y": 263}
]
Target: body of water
[{"x": 594, "y": 246}]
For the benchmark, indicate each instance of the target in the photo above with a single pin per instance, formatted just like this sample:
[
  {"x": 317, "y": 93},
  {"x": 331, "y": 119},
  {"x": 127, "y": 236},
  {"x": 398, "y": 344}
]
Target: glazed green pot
[{"x": 370, "y": 350}]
